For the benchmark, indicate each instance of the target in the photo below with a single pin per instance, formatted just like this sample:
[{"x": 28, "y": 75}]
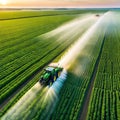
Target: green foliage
[
  {"x": 105, "y": 99},
  {"x": 73, "y": 93},
  {"x": 28, "y": 52},
  {"x": 23, "y": 51},
  {"x": 17, "y": 14}
]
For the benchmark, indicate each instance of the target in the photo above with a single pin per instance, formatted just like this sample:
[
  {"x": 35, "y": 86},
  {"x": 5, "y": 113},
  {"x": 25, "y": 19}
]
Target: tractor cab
[{"x": 97, "y": 15}]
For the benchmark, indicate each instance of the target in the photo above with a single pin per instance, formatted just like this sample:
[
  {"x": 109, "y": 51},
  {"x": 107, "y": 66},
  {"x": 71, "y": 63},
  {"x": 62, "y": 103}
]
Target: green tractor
[
  {"x": 97, "y": 15},
  {"x": 50, "y": 74}
]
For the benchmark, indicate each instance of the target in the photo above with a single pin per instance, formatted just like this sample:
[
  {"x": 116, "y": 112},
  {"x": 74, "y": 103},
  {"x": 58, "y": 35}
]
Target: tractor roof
[{"x": 49, "y": 69}]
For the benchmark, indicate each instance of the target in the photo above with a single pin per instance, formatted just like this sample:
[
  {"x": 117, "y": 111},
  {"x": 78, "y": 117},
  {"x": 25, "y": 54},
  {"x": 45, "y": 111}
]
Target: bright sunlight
[{"x": 3, "y": 2}]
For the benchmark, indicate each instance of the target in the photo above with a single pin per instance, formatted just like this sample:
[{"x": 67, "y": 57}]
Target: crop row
[{"x": 103, "y": 105}]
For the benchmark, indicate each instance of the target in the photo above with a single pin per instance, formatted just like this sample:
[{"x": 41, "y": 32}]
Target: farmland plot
[
  {"x": 75, "y": 88},
  {"x": 105, "y": 99},
  {"x": 22, "y": 57},
  {"x": 41, "y": 105},
  {"x": 22, "y": 48},
  {"x": 17, "y": 14},
  {"x": 24, "y": 62}
]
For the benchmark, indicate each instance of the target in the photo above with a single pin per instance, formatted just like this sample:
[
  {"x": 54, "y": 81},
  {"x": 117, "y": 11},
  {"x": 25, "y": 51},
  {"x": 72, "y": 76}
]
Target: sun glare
[{"x": 3, "y": 2}]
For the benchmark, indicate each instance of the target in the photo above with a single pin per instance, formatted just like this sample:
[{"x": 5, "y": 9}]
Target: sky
[{"x": 60, "y": 3}]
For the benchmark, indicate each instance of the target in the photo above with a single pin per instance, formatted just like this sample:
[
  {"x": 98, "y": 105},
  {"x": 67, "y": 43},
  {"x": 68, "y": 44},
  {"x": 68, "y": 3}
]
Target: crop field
[
  {"x": 105, "y": 99},
  {"x": 84, "y": 43}
]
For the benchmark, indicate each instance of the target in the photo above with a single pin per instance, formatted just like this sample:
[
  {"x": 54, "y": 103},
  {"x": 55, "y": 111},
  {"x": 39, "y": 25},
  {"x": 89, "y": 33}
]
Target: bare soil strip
[{"x": 84, "y": 109}]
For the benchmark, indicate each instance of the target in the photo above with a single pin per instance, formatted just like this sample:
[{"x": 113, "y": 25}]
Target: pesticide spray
[{"x": 81, "y": 43}]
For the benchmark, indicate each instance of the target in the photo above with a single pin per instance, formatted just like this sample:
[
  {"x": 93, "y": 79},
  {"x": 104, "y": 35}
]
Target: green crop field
[
  {"x": 105, "y": 99},
  {"x": 86, "y": 46}
]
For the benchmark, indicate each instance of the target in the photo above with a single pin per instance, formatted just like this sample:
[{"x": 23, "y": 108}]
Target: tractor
[
  {"x": 50, "y": 74},
  {"x": 97, "y": 15}
]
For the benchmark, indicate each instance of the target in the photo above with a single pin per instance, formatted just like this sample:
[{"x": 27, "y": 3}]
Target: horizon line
[{"x": 72, "y": 7}]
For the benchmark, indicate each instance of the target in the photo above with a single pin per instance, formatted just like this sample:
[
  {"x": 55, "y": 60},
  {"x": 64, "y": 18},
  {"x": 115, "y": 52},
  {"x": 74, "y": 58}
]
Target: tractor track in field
[
  {"x": 84, "y": 109},
  {"x": 37, "y": 16}
]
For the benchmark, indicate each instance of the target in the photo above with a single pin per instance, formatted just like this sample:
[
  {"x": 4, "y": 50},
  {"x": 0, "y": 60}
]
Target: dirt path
[{"x": 84, "y": 110}]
